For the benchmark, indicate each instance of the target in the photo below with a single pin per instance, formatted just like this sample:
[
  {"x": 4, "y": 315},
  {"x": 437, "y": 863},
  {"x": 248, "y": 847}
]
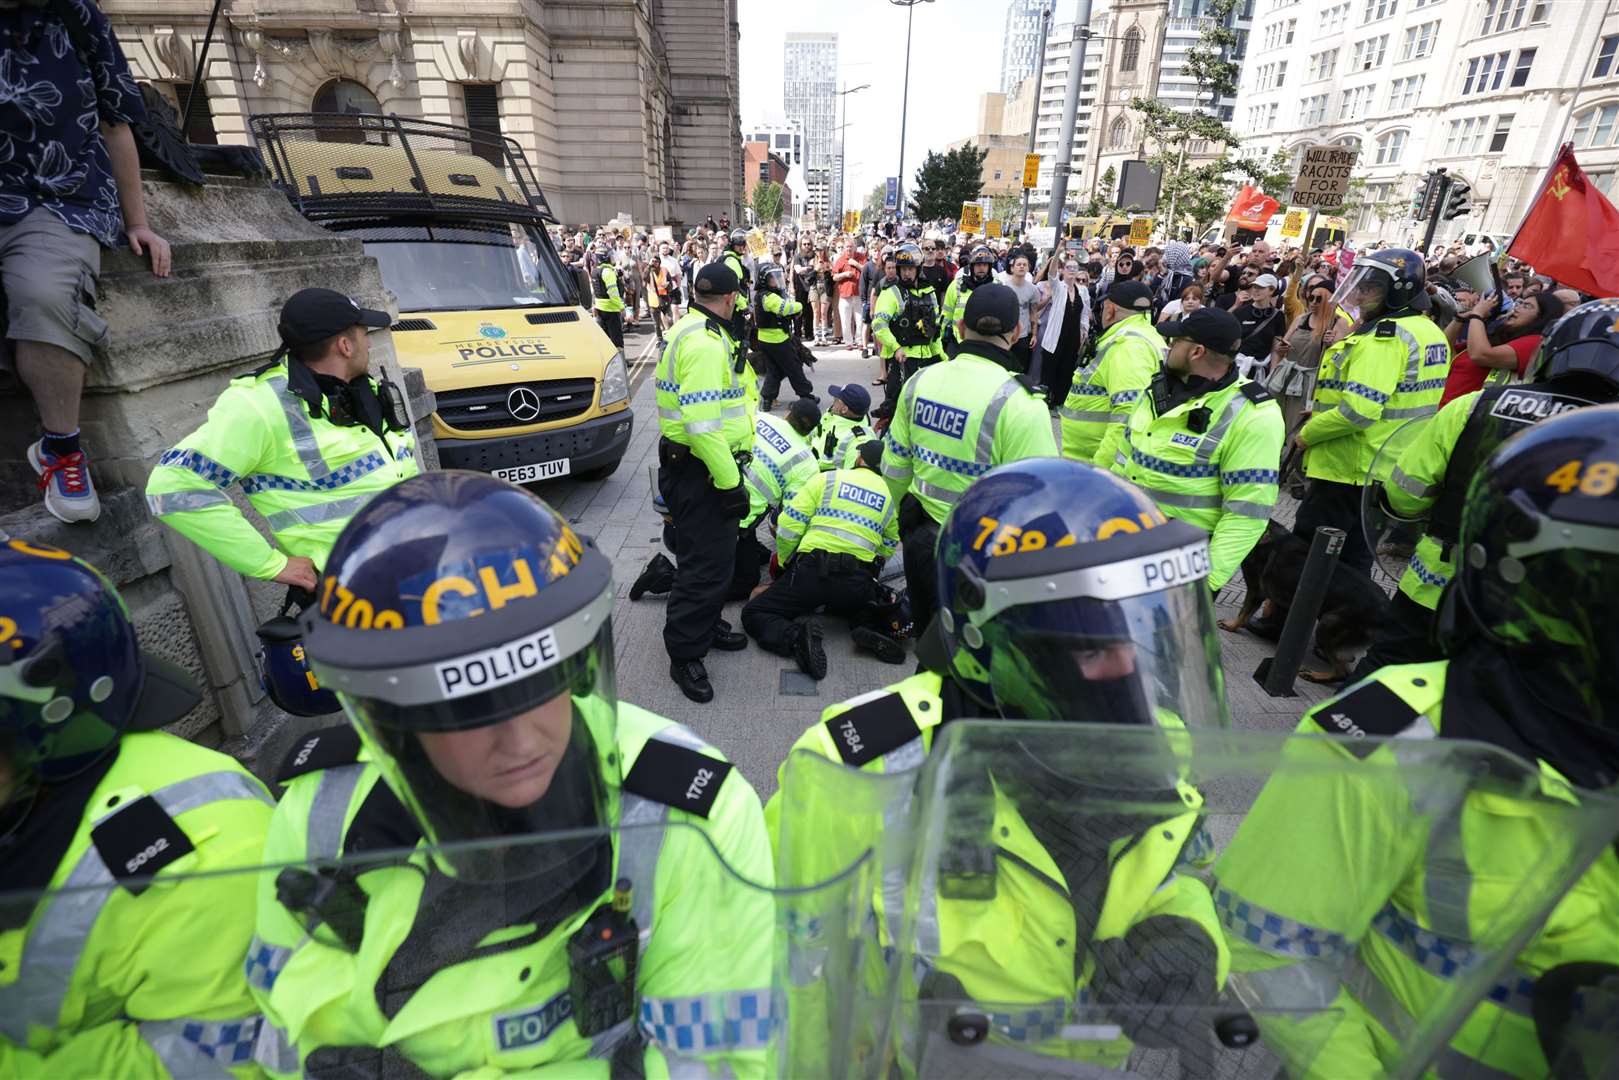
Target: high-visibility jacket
[
  {"x": 782, "y": 462},
  {"x": 1271, "y": 900},
  {"x": 1411, "y": 490},
  {"x": 1105, "y": 391},
  {"x": 744, "y": 279},
  {"x": 837, "y": 440},
  {"x": 703, "y": 975},
  {"x": 1017, "y": 948},
  {"x": 1371, "y": 382},
  {"x": 304, "y": 474},
  {"x": 776, "y": 312},
  {"x": 907, "y": 317},
  {"x": 957, "y": 421},
  {"x": 1222, "y": 478},
  {"x": 847, "y": 512},
  {"x": 604, "y": 284},
  {"x": 701, "y": 403},
  {"x": 960, "y": 289},
  {"x": 105, "y": 980}
]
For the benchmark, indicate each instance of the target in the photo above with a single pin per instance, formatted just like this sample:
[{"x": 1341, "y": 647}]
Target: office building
[{"x": 1020, "y": 41}]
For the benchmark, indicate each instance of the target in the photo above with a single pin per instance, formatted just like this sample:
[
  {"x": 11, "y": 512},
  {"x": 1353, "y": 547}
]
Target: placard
[
  {"x": 1293, "y": 223},
  {"x": 972, "y": 218},
  {"x": 1323, "y": 180},
  {"x": 758, "y": 246},
  {"x": 1140, "y": 231}
]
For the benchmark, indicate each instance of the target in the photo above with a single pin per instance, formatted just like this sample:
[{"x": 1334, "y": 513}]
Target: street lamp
[
  {"x": 843, "y": 141},
  {"x": 905, "y": 101}
]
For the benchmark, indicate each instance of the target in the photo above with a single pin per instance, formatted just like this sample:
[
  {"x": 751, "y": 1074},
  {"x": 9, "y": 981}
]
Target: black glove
[
  {"x": 734, "y": 501},
  {"x": 1159, "y": 981}
]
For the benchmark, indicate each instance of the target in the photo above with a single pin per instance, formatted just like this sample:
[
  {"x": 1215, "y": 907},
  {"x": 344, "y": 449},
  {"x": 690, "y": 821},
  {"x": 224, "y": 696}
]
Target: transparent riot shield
[
  {"x": 1091, "y": 900},
  {"x": 643, "y": 949},
  {"x": 1390, "y": 538}
]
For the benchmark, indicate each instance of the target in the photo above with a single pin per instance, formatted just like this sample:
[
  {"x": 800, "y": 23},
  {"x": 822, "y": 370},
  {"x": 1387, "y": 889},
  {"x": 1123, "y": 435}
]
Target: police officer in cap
[
  {"x": 132, "y": 964},
  {"x": 736, "y": 260},
  {"x": 705, "y": 443},
  {"x": 1105, "y": 391},
  {"x": 468, "y": 631},
  {"x": 843, "y": 426},
  {"x": 955, "y": 422},
  {"x": 1205, "y": 442},
  {"x": 608, "y": 302},
  {"x": 980, "y": 270}
]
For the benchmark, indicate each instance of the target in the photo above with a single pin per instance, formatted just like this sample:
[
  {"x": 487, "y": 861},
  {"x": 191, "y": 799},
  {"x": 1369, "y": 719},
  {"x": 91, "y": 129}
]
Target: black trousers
[
  {"x": 751, "y": 557},
  {"x": 1402, "y": 639},
  {"x": 612, "y": 323},
  {"x": 839, "y": 583},
  {"x": 1336, "y": 505},
  {"x": 919, "y": 541},
  {"x": 782, "y": 362},
  {"x": 896, "y": 374},
  {"x": 705, "y": 552}
]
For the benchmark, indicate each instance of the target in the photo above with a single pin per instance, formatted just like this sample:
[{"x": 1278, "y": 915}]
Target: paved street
[{"x": 762, "y": 703}]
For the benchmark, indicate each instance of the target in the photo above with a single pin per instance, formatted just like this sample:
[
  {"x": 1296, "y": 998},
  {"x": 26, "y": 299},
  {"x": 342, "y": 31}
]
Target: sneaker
[
  {"x": 878, "y": 644},
  {"x": 69, "y": 494},
  {"x": 808, "y": 650}
]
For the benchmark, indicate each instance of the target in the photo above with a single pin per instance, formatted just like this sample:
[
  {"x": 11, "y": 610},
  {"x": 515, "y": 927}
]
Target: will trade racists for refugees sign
[{"x": 1323, "y": 179}]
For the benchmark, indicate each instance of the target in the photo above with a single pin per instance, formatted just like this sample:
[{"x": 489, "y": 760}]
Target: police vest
[
  {"x": 771, "y": 320},
  {"x": 782, "y": 460},
  {"x": 854, "y": 514},
  {"x": 836, "y": 438},
  {"x": 599, "y": 281},
  {"x": 918, "y": 320}
]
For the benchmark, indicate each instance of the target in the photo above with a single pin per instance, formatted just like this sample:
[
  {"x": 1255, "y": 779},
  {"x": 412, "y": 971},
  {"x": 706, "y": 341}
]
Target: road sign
[
  {"x": 1140, "y": 231},
  {"x": 891, "y": 193},
  {"x": 1323, "y": 179},
  {"x": 972, "y": 218},
  {"x": 1293, "y": 223},
  {"x": 992, "y": 228},
  {"x": 1031, "y": 170},
  {"x": 758, "y": 246}
]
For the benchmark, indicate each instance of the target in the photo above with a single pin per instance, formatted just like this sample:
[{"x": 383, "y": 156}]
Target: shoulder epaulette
[
  {"x": 139, "y": 840},
  {"x": 1370, "y": 710},
  {"x": 1386, "y": 329},
  {"x": 872, "y": 728},
  {"x": 677, "y": 776},
  {"x": 1029, "y": 384},
  {"x": 1255, "y": 392},
  {"x": 324, "y": 749}
]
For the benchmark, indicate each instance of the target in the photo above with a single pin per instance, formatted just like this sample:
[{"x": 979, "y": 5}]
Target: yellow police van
[{"x": 528, "y": 387}]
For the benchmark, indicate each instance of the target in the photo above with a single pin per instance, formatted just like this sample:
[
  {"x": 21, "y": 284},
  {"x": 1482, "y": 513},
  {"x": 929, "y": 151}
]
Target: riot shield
[
  {"x": 1092, "y": 900},
  {"x": 1390, "y": 538},
  {"x": 620, "y": 946}
]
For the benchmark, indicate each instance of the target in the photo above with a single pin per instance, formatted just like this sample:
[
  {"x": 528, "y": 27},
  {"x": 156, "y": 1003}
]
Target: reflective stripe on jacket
[
  {"x": 1105, "y": 391},
  {"x": 847, "y": 511},
  {"x": 782, "y": 462},
  {"x": 700, "y": 402},
  {"x": 606, "y": 289},
  {"x": 890, "y": 305}
]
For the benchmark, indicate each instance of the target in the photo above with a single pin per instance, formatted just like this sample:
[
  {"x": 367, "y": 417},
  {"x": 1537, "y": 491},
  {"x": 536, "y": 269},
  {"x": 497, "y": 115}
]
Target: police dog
[{"x": 1352, "y": 609}]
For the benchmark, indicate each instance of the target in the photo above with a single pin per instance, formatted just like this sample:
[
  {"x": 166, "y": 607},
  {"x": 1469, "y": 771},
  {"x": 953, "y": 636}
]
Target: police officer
[
  {"x": 132, "y": 963},
  {"x": 736, "y": 259},
  {"x": 980, "y": 270},
  {"x": 831, "y": 542},
  {"x": 480, "y": 685},
  {"x": 1578, "y": 365},
  {"x": 1531, "y": 667},
  {"x": 783, "y": 462},
  {"x": 310, "y": 437},
  {"x": 1105, "y": 391},
  {"x": 843, "y": 426},
  {"x": 1074, "y": 630},
  {"x": 906, "y": 323},
  {"x": 1204, "y": 441},
  {"x": 775, "y": 317},
  {"x": 706, "y": 439},
  {"x": 953, "y": 424},
  {"x": 608, "y": 303},
  {"x": 1389, "y": 369}
]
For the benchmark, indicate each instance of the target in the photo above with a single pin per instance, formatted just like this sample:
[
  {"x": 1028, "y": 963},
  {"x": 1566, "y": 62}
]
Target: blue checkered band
[
  {"x": 1087, "y": 390},
  {"x": 264, "y": 963},
  {"x": 1362, "y": 390},
  {"x": 1433, "y": 953},
  {"x": 698, "y": 397},
  {"x": 950, "y": 464},
  {"x": 1329, "y": 384},
  {"x": 1169, "y": 468},
  {"x": 666, "y": 386},
  {"x": 403, "y": 451},
  {"x": 1514, "y": 993},
  {"x": 795, "y": 514},
  {"x": 892, "y": 447},
  {"x": 204, "y": 466},
  {"x": 1251, "y": 476},
  {"x": 1427, "y": 575},
  {"x": 1275, "y": 933},
  {"x": 781, "y": 480},
  {"x": 229, "y": 1042},
  {"x": 709, "y": 1024},
  {"x": 859, "y": 519},
  {"x": 1035, "y": 1024},
  {"x": 354, "y": 470},
  {"x": 1125, "y": 397},
  {"x": 1419, "y": 385}
]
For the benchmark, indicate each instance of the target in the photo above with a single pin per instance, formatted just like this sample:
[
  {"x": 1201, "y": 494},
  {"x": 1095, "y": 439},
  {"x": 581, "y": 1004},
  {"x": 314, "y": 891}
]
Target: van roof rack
[{"x": 349, "y": 166}]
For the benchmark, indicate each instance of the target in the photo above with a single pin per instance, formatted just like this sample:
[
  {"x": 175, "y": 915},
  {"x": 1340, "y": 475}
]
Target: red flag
[
  {"x": 1571, "y": 232},
  {"x": 1252, "y": 208}
]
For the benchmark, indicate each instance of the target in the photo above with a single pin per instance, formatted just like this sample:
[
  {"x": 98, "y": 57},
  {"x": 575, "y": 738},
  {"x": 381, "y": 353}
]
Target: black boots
[
  {"x": 808, "y": 650},
  {"x": 658, "y": 578}
]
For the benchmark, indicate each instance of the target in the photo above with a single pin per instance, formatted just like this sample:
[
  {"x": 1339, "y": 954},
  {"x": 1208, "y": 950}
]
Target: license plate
[{"x": 540, "y": 470}]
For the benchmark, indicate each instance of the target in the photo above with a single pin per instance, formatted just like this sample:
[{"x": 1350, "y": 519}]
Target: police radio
[{"x": 602, "y": 958}]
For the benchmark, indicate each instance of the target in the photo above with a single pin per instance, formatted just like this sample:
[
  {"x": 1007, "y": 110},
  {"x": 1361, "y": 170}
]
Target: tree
[
  {"x": 875, "y": 199},
  {"x": 766, "y": 201},
  {"x": 947, "y": 180},
  {"x": 1008, "y": 210}
]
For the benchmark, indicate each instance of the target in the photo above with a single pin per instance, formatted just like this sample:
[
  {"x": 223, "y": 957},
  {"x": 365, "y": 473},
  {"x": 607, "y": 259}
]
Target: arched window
[
  {"x": 1131, "y": 53},
  {"x": 345, "y": 96},
  {"x": 1595, "y": 127},
  {"x": 1118, "y": 134},
  {"x": 1348, "y": 142}
]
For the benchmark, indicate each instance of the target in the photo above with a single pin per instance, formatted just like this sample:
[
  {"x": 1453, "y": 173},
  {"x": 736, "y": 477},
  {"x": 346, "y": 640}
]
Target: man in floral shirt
[{"x": 70, "y": 185}]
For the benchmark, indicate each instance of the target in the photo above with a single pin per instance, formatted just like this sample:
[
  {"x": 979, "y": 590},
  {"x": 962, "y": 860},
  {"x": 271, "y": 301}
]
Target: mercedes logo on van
[{"x": 523, "y": 404}]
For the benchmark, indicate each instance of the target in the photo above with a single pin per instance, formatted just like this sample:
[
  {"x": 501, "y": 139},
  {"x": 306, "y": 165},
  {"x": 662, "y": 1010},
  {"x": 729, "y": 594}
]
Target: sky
[{"x": 955, "y": 57}]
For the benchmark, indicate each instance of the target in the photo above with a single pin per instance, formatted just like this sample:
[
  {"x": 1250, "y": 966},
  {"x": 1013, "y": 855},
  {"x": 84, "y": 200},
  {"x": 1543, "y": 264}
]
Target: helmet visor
[{"x": 1364, "y": 292}]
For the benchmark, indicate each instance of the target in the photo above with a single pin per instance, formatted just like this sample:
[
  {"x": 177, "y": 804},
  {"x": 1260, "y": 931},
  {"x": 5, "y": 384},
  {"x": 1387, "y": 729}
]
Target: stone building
[
  {"x": 620, "y": 105},
  {"x": 1002, "y": 171}
]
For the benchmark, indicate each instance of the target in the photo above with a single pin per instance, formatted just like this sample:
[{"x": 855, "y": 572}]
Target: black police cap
[
  {"x": 716, "y": 279},
  {"x": 1214, "y": 329},
  {"x": 992, "y": 309},
  {"x": 1130, "y": 294},
  {"x": 313, "y": 315}
]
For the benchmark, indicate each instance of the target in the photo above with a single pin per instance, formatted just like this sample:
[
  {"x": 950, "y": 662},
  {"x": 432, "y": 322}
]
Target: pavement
[{"x": 762, "y": 703}]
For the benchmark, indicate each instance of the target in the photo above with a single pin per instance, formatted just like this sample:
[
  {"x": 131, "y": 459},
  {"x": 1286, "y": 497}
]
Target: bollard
[{"x": 1277, "y": 673}]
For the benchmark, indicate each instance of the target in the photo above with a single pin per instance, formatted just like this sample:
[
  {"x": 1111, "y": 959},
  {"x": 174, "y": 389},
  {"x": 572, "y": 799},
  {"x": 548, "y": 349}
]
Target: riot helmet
[
  {"x": 909, "y": 256},
  {"x": 772, "y": 278},
  {"x": 981, "y": 266},
  {"x": 73, "y": 679},
  {"x": 467, "y": 632},
  {"x": 1583, "y": 342},
  {"x": 1066, "y": 594},
  {"x": 739, "y": 238},
  {"x": 1385, "y": 282}
]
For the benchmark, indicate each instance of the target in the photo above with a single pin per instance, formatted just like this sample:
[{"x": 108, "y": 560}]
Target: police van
[{"x": 527, "y": 385}]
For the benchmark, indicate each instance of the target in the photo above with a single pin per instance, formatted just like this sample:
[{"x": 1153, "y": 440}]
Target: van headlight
[{"x": 615, "y": 381}]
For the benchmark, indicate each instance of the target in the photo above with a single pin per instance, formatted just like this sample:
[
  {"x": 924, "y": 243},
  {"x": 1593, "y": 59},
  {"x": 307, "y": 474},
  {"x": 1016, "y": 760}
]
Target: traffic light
[
  {"x": 1419, "y": 197},
  {"x": 1456, "y": 204}
]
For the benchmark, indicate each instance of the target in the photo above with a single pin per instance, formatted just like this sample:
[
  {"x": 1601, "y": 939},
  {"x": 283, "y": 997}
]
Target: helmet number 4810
[{"x": 1598, "y": 478}]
